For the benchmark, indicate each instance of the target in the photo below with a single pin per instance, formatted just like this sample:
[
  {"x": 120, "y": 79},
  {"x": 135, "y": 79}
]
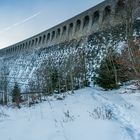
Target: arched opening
[
  {"x": 40, "y": 39},
  {"x": 78, "y": 25},
  {"x": 15, "y": 48},
  {"x": 64, "y": 30},
  {"x": 48, "y": 37},
  {"x": 58, "y": 32},
  {"x": 29, "y": 43},
  {"x": 26, "y": 45},
  {"x": 107, "y": 11},
  {"x": 96, "y": 16},
  {"x": 36, "y": 41},
  {"x": 44, "y": 38},
  {"x": 32, "y": 42},
  {"x": 23, "y": 46},
  {"x": 70, "y": 28},
  {"x": 86, "y": 21},
  {"x": 20, "y": 48},
  {"x": 120, "y": 5},
  {"x": 53, "y": 35}
]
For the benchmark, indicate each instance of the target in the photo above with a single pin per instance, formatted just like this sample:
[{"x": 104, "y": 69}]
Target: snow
[{"x": 83, "y": 115}]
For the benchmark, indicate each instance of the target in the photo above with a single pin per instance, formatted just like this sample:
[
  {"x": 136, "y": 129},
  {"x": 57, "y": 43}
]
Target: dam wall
[{"x": 97, "y": 18}]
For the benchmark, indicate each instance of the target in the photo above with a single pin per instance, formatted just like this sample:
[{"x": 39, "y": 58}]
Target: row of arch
[{"x": 67, "y": 30}]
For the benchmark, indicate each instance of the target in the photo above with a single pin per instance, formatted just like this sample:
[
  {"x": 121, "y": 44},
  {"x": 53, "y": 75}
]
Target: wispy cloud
[{"x": 20, "y": 22}]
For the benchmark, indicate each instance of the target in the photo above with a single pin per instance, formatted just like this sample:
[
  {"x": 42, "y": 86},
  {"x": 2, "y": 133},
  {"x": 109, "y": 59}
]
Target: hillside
[{"x": 88, "y": 114}]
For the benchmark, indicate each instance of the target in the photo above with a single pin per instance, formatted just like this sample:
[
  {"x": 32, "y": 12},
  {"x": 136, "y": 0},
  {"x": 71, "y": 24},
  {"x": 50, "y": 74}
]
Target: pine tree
[
  {"x": 16, "y": 95},
  {"x": 111, "y": 73}
]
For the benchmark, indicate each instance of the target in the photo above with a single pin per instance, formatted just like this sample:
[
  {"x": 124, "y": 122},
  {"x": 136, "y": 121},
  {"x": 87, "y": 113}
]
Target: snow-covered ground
[{"x": 89, "y": 114}]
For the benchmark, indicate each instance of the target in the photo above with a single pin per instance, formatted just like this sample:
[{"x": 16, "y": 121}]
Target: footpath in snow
[{"x": 86, "y": 115}]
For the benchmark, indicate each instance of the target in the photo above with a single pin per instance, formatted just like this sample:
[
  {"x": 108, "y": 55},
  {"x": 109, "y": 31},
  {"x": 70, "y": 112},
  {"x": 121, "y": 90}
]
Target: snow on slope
[{"x": 80, "y": 116}]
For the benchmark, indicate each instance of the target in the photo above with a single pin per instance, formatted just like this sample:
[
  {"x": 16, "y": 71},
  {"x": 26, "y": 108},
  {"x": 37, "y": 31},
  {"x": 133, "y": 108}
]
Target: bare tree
[
  {"x": 131, "y": 9},
  {"x": 4, "y": 84}
]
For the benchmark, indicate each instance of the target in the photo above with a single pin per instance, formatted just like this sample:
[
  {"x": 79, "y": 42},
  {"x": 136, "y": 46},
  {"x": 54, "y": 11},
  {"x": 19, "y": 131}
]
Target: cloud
[{"x": 20, "y": 22}]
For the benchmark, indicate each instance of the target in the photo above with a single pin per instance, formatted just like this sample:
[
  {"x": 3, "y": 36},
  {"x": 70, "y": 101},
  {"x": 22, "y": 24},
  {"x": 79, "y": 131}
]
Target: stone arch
[
  {"x": 44, "y": 38},
  {"x": 107, "y": 11},
  {"x": 78, "y": 25},
  {"x": 12, "y": 49},
  {"x": 96, "y": 16},
  {"x": 53, "y": 35},
  {"x": 15, "y": 48},
  {"x": 36, "y": 41},
  {"x": 86, "y": 21},
  {"x": 33, "y": 42},
  {"x": 29, "y": 43},
  {"x": 48, "y": 36},
  {"x": 40, "y": 39},
  {"x": 23, "y": 46},
  {"x": 58, "y": 33},
  {"x": 70, "y": 28},
  {"x": 120, "y": 5},
  {"x": 64, "y": 30},
  {"x": 26, "y": 45},
  {"x": 20, "y": 47}
]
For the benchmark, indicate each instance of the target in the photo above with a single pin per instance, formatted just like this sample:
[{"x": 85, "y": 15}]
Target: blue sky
[{"x": 21, "y": 19}]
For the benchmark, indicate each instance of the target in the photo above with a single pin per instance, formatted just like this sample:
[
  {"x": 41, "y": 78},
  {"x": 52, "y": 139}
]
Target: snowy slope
[{"x": 86, "y": 115}]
